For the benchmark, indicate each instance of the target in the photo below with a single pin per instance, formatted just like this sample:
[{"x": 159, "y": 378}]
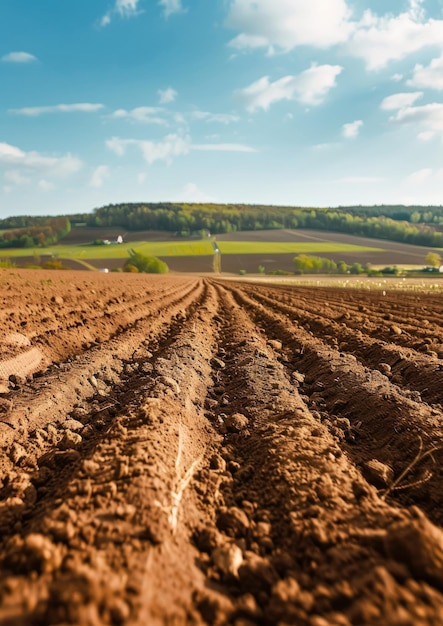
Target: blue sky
[{"x": 319, "y": 103}]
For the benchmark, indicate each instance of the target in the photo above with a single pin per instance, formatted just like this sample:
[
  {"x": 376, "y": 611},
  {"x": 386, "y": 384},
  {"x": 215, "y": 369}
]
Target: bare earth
[{"x": 184, "y": 451}]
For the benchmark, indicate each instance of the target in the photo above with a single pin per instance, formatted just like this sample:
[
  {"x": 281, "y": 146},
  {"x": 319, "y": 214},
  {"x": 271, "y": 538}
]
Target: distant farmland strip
[
  {"x": 270, "y": 247},
  {"x": 187, "y": 248},
  {"x": 122, "y": 251}
]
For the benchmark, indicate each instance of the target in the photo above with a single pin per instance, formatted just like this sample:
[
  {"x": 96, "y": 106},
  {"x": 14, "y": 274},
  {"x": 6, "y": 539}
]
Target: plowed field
[{"x": 185, "y": 451}]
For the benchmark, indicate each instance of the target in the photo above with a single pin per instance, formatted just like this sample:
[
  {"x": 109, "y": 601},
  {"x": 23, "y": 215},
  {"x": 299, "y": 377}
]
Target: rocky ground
[{"x": 187, "y": 451}]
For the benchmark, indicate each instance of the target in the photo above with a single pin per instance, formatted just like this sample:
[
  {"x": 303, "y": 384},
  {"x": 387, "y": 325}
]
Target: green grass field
[
  {"x": 122, "y": 251},
  {"x": 183, "y": 248}
]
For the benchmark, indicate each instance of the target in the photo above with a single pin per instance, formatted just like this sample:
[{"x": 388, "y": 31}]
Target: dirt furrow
[
  {"x": 62, "y": 326},
  {"x": 300, "y": 536},
  {"x": 417, "y": 331},
  {"x": 104, "y": 526},
  {"x": 81, "y": 331},
  {"x": 218, "y": 455},
  {"x": 47, "y": 399},
  {"x": 385, "y": 426},
  {"x": 404, "y": 367},
  {"x": 410, "y": 307}
]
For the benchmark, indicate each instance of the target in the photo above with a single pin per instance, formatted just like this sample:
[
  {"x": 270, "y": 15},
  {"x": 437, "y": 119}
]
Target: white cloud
[
  {"x": 45, "y": 185},
  {"x": 191, "y": 193},
  {"x": 99, "y": 175},
  {"x": 286, "y": 24},
  {"x": 243, "y": 42},
  {"x": 170, "y": 147},
  {"x": 324, "y": 147},
  {"x": 397, "y": 77},
  {"x": 146, "y": 115},
  {"x": 381, "y": 39},
  {"x": 10, "y": 153},
  {"x": 376, "y": 39},
  {"x": 400, "y": 100},
  {"x": 309, "y": 87},
  {"x": 220, "y": 118},
  {"x": 166, "y": 150},
  {"x": 126, "y": 8},
  {"x": 122, "y": 8},
  {"x": 430, "y": 77},
  {"x": 426, "y": 135},
  {"x": 429, "y": 118},
  {"x": 16, "y": 178},
  {"x": 420, "y": 176},
  {"x": 416, "y": 10},
  {"x": 167, "y": 95},
  {"x": 141, "y": 177},
  {"x": 19, "y": 57},
  {"x": 223, "y": 147},
  {"x": 351, "y": 130},
  {"x": 80, "y": 107},
  {"x": 118, "y": 146},
  {"x": 171, "y": 6},
  {"x": 33, "y": 161}
]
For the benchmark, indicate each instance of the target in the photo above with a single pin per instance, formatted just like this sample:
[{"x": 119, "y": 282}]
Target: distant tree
[
  {"x": 40, "y": 232},
  {"x": 433, "y": 259},
  {"x": 145, "y": 264},
  {"x": 356, "y": 268},
  {"x": 314, "y": 264}
]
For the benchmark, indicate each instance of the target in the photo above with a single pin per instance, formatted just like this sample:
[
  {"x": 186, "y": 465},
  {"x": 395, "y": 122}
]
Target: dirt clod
[
  {"x": 236, "y": 423},
  {"x": 419, "y": 544},
  {"x": 234, "y": 522},
  {"x": 377, "y": 473}
]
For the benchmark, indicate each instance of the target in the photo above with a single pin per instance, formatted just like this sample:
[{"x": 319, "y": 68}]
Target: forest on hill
[
  {"x": 417, "y": 225},
  {"x": 33, "y": 231}
]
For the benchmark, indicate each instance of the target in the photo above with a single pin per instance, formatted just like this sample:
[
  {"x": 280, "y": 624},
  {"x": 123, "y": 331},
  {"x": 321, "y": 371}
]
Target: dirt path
[{"x": 198, "y": 452}]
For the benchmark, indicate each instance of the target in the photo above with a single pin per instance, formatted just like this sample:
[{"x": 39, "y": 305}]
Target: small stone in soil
[
  {"x": 236, "y": 423},
  {"x": 234, "y": 522}
]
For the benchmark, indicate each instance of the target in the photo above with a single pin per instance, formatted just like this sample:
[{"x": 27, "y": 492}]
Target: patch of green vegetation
[
  {"x": 53, "y": 264},
  {"x": 147, "y": 264},
  {"x": 176, "y": 248},
  {"x": 277, "y": 247},
  {"x": 280, "y": 273},
  {"x": 122, "y": 251}
]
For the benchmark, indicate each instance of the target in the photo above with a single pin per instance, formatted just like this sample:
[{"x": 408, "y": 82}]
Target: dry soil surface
[{"x": 187, "y": 451}]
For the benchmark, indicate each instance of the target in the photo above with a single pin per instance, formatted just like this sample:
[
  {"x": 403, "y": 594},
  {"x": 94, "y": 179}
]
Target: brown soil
[{"x": 188, "y": 451}]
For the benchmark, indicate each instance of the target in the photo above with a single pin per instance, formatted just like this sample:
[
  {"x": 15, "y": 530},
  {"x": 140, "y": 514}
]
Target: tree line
[
  {"x": 414, "y": 214},
  {"x": 308, "y": 264},
  {"x": 38, "y": 232},
  {"x": 406, "y": 224},
  {"x": 188, "y": 218}
]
